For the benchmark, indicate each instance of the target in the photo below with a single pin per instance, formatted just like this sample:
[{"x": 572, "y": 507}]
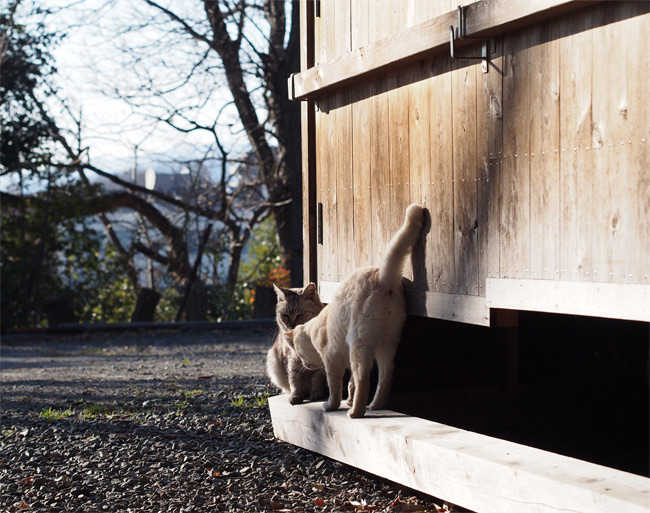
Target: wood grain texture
[
  {"x": 519, "y": 168},
  {"x": 611, "y": 228},
  {"x": 596, "y": 299},
  {"x": 361, "y": 137},
  {"x": 638, "y": 131},
  {"x": 398, "y": 144},
  {"x": 308, "y": 149},
  {"x": 424, "y": 303},
  {"x": 489, "y": 17},
  {"x": 544, "y": 128},
  {"x": 472, "y": 470},
  {"x": 489, "y": 152},
  {"x": 465, "y": 178},
  {"x": 419, "y": 141},
  {"x": 441, "y": 235},
  {"x": 576, "y": 46},
  {"x": 514, "y": 225},
  {"x": 379, "y": 24},
  {"x": 344, "y": 183}
]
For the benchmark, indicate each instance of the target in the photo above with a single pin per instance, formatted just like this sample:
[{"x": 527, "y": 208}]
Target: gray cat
[{"x": 295, "y": 306}]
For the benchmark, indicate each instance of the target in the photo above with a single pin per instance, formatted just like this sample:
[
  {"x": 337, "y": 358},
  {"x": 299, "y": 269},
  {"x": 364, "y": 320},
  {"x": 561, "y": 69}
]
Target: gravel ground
[{"x": 162, "y": 421}]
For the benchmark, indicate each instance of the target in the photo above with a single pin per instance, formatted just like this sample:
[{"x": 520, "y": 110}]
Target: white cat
[{"x": 363, "y": 323}]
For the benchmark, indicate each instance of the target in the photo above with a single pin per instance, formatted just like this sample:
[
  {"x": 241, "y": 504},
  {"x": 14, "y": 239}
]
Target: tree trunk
[
  {"x": 282, "y": 177},
  {"x": 145, "y": 306}
]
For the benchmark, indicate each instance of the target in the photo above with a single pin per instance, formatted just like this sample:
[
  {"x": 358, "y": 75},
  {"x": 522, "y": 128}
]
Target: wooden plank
[
  {"x": 544, "y": 130},
  {"x": 465, "y": 177},
  {"x": 420, "y": 160},
  {"x": 576, "y": 168},
  {"x": 308, "y": 148},
  {"x": 610, "y": 300},
  {"x": 440, "y": 254},
  {"x": 488, "y": 17},
  {"x": 344, "y": 183},
  {"x": 398, "y": 135},
  {"x": 438, "y": 305},
  {"x": 398, "y": 145},
  {"x": 449, "y": 307},
  {"x": 359, "y": 16},
  {"x": 638, "y": 161},
  {"x": 319, "y": 58},
  {"x": 472, "y": 470},
  {"x": 489, "y": 132},
  {"x": 361, "y": 136},
  {"x": 514, "y": 228},
  {"x": 327, "y": 183},
  {"x": 611, "y": 224},
  {"x": 342, "y": 149},
  {"x": 379, "y": 24},
  {"x": 326, "y": 126}
]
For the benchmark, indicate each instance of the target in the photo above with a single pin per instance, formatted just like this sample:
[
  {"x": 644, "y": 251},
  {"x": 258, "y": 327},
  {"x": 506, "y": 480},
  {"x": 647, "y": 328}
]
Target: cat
[
  {"x": 295, "y": 306},
  {"x": 363, "y": 323}
]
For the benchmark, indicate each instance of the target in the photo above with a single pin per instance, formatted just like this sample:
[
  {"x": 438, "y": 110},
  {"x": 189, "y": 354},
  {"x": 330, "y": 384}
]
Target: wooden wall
[{"x": 536, "y": 170}]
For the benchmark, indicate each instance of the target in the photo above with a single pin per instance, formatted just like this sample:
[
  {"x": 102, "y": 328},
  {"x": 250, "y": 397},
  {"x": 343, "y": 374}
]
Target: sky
[{"x": 94, "y": 70}]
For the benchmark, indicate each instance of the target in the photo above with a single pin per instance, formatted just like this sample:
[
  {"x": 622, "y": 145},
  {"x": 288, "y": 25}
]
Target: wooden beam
[
  {"x": 611, "y": 300},
  {"x": 485, "y": 18},
  {"x": 438, "y": 305},
  {"x": 308, "y": 141},
  {"x": 468, "y": 469}
]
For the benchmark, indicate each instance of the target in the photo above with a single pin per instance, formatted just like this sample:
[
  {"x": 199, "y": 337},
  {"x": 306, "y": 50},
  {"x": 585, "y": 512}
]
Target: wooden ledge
[
  {"x": 485, "y": 18},
  {"x": 628, "y": 301},
  {"x": 424, "y": 303},
  {"x": 474, "y": 471}
]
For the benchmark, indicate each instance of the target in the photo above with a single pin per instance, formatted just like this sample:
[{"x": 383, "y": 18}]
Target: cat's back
[
  {"x": 357, "y": 285},
  {"x": 362, "y": 291}
]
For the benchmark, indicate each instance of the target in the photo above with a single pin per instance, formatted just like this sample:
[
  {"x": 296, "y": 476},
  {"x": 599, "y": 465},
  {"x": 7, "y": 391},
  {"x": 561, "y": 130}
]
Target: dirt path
[{"x": 162, "y": 421}]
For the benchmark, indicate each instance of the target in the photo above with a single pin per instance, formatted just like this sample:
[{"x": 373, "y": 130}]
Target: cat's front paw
[
  {"x": 295, "y": 399},
  {"x": 331, "y": 405},
  {"x": 375, "y": 405},
  {"x": 356, "y": 413}
]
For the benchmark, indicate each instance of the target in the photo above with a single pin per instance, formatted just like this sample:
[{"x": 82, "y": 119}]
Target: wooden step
[{"x": 471, "y": 470}]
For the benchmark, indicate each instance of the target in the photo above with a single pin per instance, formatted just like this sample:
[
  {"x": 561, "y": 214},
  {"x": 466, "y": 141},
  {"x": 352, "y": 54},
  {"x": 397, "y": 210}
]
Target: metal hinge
[
  {"x": 459, "y": 33},
  {"x": 317, "y": 8}
]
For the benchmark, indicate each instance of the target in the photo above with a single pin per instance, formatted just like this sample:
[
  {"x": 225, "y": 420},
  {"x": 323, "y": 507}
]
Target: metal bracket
[{"x": 459, "y": 33}]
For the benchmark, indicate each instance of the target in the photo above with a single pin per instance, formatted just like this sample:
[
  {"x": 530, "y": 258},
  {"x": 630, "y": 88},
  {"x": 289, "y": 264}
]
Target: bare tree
[{"x": 248, "y": 48}]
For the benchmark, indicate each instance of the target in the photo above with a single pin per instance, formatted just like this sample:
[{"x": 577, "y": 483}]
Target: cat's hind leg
[
  {"x": 318, "y": 386},
  {"x": 334, "y": 373},
  {"x": 361, "y": 362},
  {"x": 297, "y": 382},
  {"x": 385, "y": 364},
  {"x": 350, "y": 392}
]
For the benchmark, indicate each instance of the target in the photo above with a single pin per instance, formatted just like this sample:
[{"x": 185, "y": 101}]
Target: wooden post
[{"x": 308, "y": 124}]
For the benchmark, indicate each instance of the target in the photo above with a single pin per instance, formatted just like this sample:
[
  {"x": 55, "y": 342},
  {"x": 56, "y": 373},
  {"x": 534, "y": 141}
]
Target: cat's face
[
  {"x": 296, "y": 306},
  {"x": 300, "y": 341}
]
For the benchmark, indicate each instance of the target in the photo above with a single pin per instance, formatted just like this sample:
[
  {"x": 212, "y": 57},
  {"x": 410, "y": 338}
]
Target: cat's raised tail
[{"x": 399, "y": 247}]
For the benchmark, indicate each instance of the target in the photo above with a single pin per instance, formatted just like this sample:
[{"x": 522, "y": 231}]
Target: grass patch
[
  {"x": 53, "y": 414},
  {"x": 239, "y": 401},
  {"x": 94, "y": 410},
  {"x": 190, "y": 394}
]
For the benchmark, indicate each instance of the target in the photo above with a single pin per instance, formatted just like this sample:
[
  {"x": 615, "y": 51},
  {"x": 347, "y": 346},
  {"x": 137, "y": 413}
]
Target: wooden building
[{"x": 523, "y": 126}]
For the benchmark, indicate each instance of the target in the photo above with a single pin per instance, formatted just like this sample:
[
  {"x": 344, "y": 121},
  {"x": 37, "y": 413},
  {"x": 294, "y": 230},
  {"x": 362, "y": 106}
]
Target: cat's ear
[
  {"x": 309, "y": 290},
  {"x": 281, "y": 293}
]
